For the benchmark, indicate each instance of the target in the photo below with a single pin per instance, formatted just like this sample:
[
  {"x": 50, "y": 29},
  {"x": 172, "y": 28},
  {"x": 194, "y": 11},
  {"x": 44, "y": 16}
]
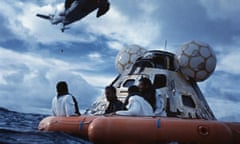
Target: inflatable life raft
[{"x": 144, "y": 130}]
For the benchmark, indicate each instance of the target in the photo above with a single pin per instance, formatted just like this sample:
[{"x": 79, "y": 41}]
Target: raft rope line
[
  {"x": 74, "y": 123},
  {"x": 158, "y": 123},
  {"x": 83, "y": 122}
]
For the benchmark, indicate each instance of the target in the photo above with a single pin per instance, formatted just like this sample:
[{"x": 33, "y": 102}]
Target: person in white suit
[
  {"x": 64, "y": 104},
  {"x": 136, "y": 105}
]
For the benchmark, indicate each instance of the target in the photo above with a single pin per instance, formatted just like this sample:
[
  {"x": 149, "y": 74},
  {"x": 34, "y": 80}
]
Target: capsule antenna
[{"x": 165, "y": 45}]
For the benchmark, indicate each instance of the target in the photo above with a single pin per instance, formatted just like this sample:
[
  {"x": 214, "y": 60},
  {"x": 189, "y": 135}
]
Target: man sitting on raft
[{"x": 136, "y": 104}]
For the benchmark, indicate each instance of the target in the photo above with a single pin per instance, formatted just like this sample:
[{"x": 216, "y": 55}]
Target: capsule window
[
  {"x": 188, "y": 101},
  {"x": 128, "y": 83},
  {"x": 160, "y": 81}
]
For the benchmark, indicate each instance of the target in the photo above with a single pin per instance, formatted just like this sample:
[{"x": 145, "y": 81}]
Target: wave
[
  {"x": 4, "y": 110},
  {"x": 8, "y": 136},
  {"x": 22, "y": 128}
]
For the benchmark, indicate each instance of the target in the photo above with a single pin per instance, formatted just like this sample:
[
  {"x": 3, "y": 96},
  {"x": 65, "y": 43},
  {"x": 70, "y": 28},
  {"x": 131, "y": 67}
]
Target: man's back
[{"x": 63, "y": 105}]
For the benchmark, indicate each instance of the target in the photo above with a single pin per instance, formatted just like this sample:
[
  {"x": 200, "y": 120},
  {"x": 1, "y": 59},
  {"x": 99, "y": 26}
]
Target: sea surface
[{"x": 22, "y": 128}]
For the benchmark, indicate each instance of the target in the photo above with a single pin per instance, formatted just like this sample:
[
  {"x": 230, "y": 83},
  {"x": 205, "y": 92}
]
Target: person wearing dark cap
[
  {"x": 114, "y": 104},
  {"x": 147, "y": 91},
  {"x": 64, "y": 104}
]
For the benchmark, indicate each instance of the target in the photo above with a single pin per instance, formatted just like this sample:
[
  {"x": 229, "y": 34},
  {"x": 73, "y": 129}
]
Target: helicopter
[{"x": 75, "y": 10}]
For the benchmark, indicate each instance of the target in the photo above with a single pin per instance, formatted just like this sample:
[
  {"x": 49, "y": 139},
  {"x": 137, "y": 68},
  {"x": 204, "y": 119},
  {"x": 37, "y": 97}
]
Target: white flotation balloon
[
  {"x": 196, "y": 60},
  {"x": 127, "y": 56}
]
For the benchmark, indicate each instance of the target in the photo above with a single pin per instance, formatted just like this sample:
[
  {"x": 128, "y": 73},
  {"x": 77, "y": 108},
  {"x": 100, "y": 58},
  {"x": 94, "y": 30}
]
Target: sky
[{"x": 35, "y": 55}]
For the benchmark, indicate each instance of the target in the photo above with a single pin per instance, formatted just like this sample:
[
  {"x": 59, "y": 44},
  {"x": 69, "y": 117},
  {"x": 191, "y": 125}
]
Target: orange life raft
[{"x": 137, "y": 130}]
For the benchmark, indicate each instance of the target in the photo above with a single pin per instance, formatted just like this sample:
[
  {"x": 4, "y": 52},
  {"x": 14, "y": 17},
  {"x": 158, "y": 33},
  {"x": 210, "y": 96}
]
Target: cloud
[
  {"x": 221, "y": 9},
  {"x": 224, "y": 14},
  {"x": 27, "y": 80},
  {"x": 228, "y": 64},
  {"x": 99, "y": 80},
  {"x": 97, "y": 57},
  {"x": 123, "y": 28},
  {"x": 222, "y": 85},
  {"x": 221, "y": 91},
  {"x": 225, "y": 109}
]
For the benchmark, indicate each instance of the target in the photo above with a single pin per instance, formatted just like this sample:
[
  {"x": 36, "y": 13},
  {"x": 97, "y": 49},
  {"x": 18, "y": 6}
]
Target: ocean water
[{"x": 22, "y": 128}]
